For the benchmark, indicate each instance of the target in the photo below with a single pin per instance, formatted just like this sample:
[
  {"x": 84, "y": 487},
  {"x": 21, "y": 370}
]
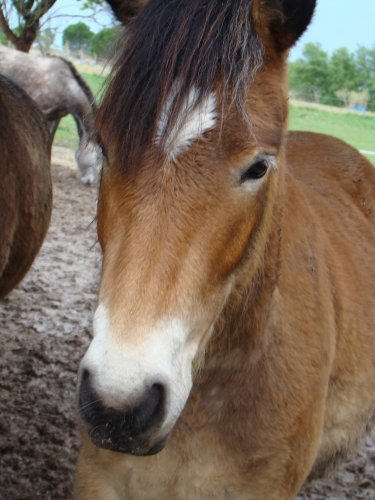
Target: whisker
[{"x": 91, "y": 403}]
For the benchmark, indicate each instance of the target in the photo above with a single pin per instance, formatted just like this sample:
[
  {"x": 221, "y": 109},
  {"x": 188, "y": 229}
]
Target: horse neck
[
  {"x": 82, "y": 107},
  {"x": 240, "y": 342},
  {"x": 83, "y": 116}
]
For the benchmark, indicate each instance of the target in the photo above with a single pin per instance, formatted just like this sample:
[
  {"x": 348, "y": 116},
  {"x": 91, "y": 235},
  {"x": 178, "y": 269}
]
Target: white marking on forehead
[{"x": 194, "y": 119}]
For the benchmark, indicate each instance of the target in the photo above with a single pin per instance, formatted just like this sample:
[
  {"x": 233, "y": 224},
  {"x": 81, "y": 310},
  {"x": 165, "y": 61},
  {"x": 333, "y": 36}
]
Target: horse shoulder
[
  {"x": 331, "y": 193},
  {"x": 332, "y": 167}
]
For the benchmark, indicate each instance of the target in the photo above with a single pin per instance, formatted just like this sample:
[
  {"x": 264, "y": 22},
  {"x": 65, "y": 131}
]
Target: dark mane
[
  {"x": 198, "y": 43},
  {"x": 81, "y": 82}
]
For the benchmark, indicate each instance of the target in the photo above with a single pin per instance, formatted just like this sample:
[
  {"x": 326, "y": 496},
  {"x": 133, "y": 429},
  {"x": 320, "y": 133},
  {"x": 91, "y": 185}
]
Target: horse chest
[
  {"x": 167, "y": 477},
  {"x": 191, "y": 467}
]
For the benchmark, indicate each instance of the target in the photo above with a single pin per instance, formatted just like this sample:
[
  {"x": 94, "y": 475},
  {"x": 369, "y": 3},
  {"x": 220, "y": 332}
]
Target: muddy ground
[{"x": 44, "y": 330}]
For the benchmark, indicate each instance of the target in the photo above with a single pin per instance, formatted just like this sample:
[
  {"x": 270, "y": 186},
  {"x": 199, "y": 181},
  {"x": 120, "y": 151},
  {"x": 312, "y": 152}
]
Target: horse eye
[{"x": 256, "y": 171}]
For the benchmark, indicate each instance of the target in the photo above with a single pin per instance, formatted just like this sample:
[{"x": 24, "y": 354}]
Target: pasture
[{"x": 354, "y": 128}]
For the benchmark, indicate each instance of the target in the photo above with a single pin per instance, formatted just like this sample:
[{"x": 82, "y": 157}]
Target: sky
[
  {"x": 66, "y": 12},
  {"x": 340, "y": 23},
  {"x": 337, "y": 23}
]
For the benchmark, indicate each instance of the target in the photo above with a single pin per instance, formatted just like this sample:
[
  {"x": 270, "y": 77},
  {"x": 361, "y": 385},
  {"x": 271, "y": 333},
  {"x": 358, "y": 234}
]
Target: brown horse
[
  {"x": 25, "y": 187},
  {"x": 234, "y": 338},
  {"x": 59, "y": 90}
]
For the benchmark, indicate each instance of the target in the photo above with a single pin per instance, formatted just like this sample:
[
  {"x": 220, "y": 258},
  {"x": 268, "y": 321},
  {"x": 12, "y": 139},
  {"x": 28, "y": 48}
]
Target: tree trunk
[
  {"x": 27, "y": 38},
  {"x": 23, "y": 45}
]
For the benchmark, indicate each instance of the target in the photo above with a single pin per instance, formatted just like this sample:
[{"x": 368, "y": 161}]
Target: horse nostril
[
  {"x": 151, "y": 408},
  {"x": 127, "y": 429},
  {"x": 85, "y": 375}
]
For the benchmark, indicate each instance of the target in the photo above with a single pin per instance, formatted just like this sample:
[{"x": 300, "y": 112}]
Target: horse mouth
[
  {"x": 157, "y": 448},
  {"x": 137, "y": 447}
]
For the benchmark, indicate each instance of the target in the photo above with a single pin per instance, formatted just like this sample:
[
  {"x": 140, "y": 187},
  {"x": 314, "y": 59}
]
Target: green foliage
[
  {"x": 342, "y": 71},
  {"x": 103, "y": 42},
  {"x": 78, "y": 37},
  {"x": 309, "y": 75},
  {"x": 365, "y": 59},
  {"x": 342, "y": 79}
]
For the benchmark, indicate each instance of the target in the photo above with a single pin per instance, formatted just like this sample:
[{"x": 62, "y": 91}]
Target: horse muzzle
[{"x": 128, "y": 430}]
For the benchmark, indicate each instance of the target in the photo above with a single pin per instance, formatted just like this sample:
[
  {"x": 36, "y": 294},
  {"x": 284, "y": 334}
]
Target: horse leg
[{"x": 52, "y": 126}]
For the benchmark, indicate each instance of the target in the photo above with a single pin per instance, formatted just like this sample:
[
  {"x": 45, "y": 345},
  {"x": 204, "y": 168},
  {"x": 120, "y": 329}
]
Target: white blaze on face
[
  {"x": 122, "y": 371},
  {"x": 195, "y": 118}
]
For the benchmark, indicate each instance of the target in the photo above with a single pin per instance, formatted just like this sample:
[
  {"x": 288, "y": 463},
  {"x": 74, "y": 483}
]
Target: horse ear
[
  {"x": 285, "y": 20},
  {"x": 125, "y": 10}
]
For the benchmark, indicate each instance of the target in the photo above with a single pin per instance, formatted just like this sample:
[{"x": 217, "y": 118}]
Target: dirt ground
[{"x": 44, "y": 329}]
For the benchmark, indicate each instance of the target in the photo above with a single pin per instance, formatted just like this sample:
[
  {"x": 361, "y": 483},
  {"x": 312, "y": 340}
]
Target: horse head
[
  {"x": 88, "y": 157},
  {"x": 193, "y": 128}
]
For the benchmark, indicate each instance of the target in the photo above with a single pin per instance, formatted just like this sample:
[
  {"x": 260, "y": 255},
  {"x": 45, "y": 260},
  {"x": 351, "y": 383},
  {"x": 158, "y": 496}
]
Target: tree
[
  {"x": 45, "y": 40},
  {"x": 342, "y": 78},
  {"x": 78, "y": 37},
  {"x": 309, "y": 75},
  {"x": 27, "y": 15},
  {"x": 103, "y": 42},
  {"x": 365, "y": 61},
  {"x": 342, "y": 72}
]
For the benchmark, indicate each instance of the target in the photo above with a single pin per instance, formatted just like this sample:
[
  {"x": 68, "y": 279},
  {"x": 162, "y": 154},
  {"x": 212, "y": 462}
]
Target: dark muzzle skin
[{"x": 128, "y": 430}]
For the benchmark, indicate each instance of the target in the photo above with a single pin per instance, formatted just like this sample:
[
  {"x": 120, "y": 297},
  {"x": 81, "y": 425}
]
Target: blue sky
[
  {"x": 66, "y": 12},
  {"x": 337, "y": 23},
  {"x": 340, "y": 23}
]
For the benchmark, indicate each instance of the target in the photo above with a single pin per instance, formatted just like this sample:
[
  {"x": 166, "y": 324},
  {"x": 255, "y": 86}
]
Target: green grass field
[
  {"x": 354, "y": 128},
  {"x": 358, "y": 130}
]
